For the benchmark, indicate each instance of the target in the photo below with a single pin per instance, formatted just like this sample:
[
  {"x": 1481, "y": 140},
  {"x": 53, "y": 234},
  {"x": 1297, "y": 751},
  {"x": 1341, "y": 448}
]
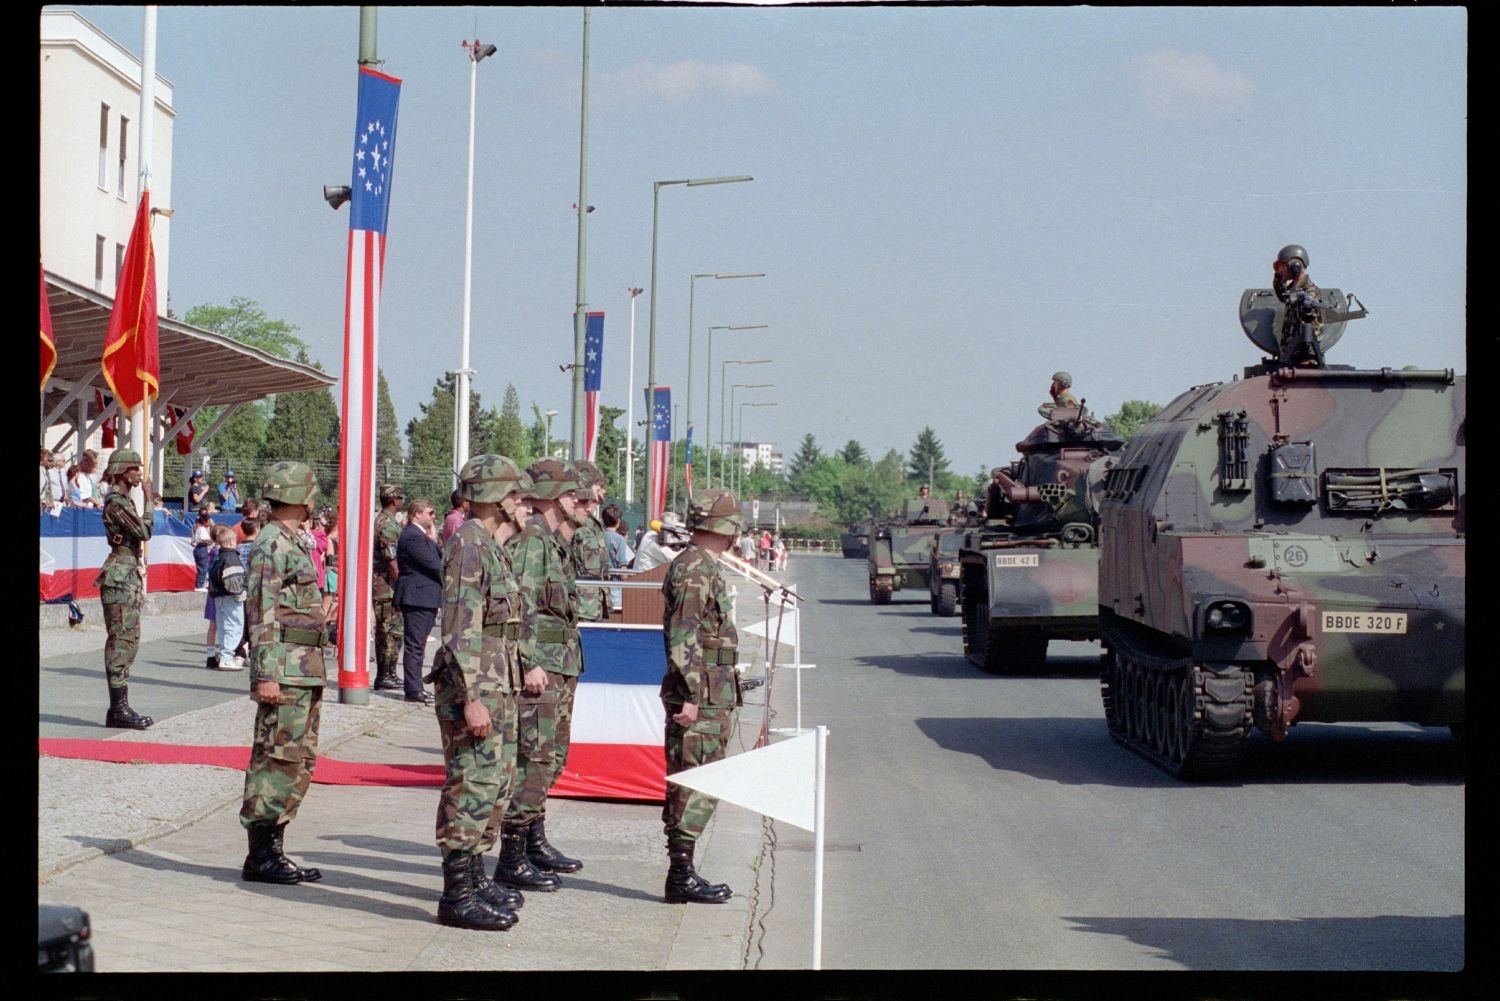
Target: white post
[
  {"x": 461, "y": 394},
  {"x": 797, "y": 654},
  {"x": 821, "y": 771},
  {"x": 140, "y": 418},
  {"x": 630, "y": 410}
]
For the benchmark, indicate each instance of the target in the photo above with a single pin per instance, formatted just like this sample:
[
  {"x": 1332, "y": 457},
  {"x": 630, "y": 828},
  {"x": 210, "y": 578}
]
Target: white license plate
[
  {"x": 1003, "y": 560},
  {"x": 1364, "y": 622}
]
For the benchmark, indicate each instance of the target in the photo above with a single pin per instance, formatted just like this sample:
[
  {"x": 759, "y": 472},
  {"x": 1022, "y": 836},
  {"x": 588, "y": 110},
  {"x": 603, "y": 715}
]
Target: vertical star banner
[
  {"x": 593, "y": 365},
  {"x": 661, "y": 450}
]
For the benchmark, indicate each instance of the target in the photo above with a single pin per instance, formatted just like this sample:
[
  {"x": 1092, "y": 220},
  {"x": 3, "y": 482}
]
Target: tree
[
  {"x": 305, "y": 427},
  {"x": 609, "y": 451},
  {"x": 854, "y": 454},
  {"x": 807, "y": 453},
  {"x": 508, "y": 436},
  {"x": 926, "y": 462},
  {"x": 1131, "y": 415},
  {"x": 246, "y": 322},
  {"x": 429, "y": 465},
  {"x": 820, "y": 480},
  {"x": 387, "y": 431},
  {"x": 869, "y": 489},
  {"x": 762, "y": 481}
]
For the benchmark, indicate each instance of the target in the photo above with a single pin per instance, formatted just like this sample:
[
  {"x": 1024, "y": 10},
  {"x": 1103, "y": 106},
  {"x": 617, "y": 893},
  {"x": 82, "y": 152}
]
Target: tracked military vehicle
[
  {"x": 1286, "y": 547},
  {"x": 1030, "y": 575},
  {"x": 943, "y": 578},
  {"x": 855, "y": 543},
  {"x": 900, "y": 546}
]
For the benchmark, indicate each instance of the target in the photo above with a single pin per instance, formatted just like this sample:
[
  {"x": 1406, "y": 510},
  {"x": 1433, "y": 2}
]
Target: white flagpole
[
  {"x": 797, "y": 654},
  {"x": 818, "y": 784}
]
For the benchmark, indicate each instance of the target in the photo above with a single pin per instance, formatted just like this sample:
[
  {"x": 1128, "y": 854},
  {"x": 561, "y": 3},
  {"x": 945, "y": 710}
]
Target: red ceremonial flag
[
  {"x": 107, "y": 429},
  {"x": 49, "y": 349},
  {"x": 132, "y": 365},
  {"x": 186, "y": 435}
]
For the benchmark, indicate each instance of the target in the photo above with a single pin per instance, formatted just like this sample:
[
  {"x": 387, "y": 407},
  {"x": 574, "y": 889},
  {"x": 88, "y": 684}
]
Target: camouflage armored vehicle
[
  {"x": 899, "y": 548},
  {"x": 1030, "y": 575},
  {"x": 855, "y": 543},
  {"x": 1287, "y": 547},
  {"x": 943, "y": 579}
]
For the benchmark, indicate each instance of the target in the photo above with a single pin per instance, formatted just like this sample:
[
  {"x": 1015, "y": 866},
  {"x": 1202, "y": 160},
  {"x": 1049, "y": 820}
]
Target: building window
[
  {"x": 103, "y": 145},
  {"x": 119, "y": 263},
  {"x": 124, "y": 130},
  {"x": 98, "y": 264}
]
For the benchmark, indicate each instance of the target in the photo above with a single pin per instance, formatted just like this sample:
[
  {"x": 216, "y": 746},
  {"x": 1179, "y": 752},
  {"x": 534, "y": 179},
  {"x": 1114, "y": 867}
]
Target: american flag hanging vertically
[
  {"x": 661, "y": 449},
  {"x": 369, "y": 208},
  {"x": 593, "y": 364}
]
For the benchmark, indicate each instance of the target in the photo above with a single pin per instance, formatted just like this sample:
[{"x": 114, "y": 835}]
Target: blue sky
[{"x": 948, "y": 204}]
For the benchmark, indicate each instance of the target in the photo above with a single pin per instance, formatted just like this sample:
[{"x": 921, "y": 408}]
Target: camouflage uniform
[
  {"x": 390, "y": 630},
  {"x": 701, "y": 643},
  {"x": 121, "y": 584},
  {"x": 284, "y": 625},
  {"x": 591, "y": 560},
  {"x": 477, "y": 662},
  {"x": 549, "y": 640},
  {"x": 1284, "y": 286}
]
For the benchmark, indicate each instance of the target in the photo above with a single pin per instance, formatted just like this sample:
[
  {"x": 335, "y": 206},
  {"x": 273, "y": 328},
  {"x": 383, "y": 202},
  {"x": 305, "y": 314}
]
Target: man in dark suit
[{"x": 419, "y": 591}]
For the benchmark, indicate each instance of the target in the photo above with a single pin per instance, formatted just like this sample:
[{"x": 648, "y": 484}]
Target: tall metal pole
[
  {"x": 576, "y": 449},
  {"x": 461, "y": 395},
  {"x": 630, "y": 408},
  {"x": 140, "y": 417}
]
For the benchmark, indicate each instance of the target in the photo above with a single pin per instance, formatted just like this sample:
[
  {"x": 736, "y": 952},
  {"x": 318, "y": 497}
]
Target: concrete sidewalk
[{"x": 153, "y": 853}]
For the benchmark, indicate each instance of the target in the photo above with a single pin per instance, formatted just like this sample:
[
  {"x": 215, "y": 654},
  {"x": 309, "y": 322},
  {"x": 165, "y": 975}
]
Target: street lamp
[
  {"x": 739, "y": 326},
  {"x": 477, "y": 53},
  {"x": 692, "y": 288},
  {"x": 723, "y": 369},
  {"x": 656, "y": 187},
  {"x": 549, "y": 415},
  {"x": 740, "y": 440},
  {"x": 742, "y": 385},
  {"x": 630, "y": 407}
]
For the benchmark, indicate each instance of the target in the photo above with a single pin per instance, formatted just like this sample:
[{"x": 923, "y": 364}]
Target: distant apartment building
[
  {"x": 89, "y": 153},
  {"x": 758, "y": 453}
]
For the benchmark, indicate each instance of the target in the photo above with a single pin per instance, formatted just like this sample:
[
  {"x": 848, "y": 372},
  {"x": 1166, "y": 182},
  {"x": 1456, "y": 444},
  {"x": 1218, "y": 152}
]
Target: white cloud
[
  {"x": 680, "y": 81},
  {"x": 1179, "y": 85}
]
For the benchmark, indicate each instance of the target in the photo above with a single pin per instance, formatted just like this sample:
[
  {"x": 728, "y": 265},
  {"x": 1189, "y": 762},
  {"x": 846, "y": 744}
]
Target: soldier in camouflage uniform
[
  {"x": 1289, "y": 276},
  {"x": 590, "y": 552},
  {"x": 284, "y": 623},
  {"x": 390, "y": 628},
  {"x": 1061, "y": 390},
  {"x": 121, "y": 584},
  {"x": 477, "y": 674},
  {"x": 551, "y": 661},
  {"x": 700, "y": 690}
]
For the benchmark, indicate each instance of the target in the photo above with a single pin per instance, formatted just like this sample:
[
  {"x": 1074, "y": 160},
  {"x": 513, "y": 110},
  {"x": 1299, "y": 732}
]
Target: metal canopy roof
[{"x": 197, "y": 366}]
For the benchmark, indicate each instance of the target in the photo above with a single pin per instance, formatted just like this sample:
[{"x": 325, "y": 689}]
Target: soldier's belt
[
  {"x": 727, "y": 656},
  {"x": 508, "y": 630},
  {"x": 551, "y": 632},
  {"x": 301, "y": 636}
]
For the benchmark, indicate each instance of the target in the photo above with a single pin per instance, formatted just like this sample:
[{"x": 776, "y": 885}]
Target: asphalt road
[{"x": 990, "y": 822}]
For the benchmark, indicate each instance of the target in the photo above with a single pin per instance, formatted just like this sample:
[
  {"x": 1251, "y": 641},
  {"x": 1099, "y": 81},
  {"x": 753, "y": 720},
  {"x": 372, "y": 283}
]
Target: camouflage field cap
[
  {"x": 122, "y": 459},
  {"x": 1063, "y": 379},
  {"x": 390, "y": 492},
  {"x": 1293, "y": 251},
  {"x": 552, "y": 479},
  {"x": 486, "y": 479},
  {"x": 588, "y": 473},
  {"x": 716, "y": 511},
  {"x": 289, "y": 483}
]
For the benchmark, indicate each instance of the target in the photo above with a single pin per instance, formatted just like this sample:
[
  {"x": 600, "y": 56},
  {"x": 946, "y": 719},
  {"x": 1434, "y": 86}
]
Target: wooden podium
[{"x": 643, "y": 606}]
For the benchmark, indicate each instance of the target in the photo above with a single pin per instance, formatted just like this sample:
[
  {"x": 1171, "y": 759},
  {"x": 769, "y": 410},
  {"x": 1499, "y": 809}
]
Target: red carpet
[{"x": 582, "y": 778}]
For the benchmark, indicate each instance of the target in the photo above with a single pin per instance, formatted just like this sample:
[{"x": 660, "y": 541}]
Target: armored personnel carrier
[
  {"x": 900, "y": 546},
  {"x": 855, "y": 543},
  {"x": 1286, "y": 547},
  {"x": 943, "y": 578},
  {"x": 1030, "y": 574}
]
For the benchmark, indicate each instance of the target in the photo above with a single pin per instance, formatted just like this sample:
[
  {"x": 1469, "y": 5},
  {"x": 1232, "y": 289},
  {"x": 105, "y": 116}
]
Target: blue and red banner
[
  {"x": 593, "y": 365},
  {"x": 661, "y": 450}
]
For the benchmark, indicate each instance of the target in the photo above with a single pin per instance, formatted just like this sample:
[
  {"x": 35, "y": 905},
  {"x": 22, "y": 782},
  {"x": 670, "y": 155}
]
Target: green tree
[
  {"x": 609, "y": 451},
  {"x": 537, "y": 434},
  {"x": 1132, "y": 414},
  {"x": 508, "y": 437},
  {"x": 807, "y": 453},
  {"x": 429, "y": 466},
  {"x": 246, "y": 322},
  {"x": 305, "y": 427},
  {"x": 820, "y": 480},
  {"x": 387, "y": 430},
  {"x": 762, "y": 481},
  {"x": 926, "y": 462},
  {"x": 869, "y": 489},
  {"x": 854, "y": 454}
]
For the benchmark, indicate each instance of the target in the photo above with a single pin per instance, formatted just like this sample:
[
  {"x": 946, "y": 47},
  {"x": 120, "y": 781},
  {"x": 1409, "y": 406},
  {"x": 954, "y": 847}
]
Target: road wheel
[
  {"x": 881, "y": 592},
  {"x": 947, "y": 599}
]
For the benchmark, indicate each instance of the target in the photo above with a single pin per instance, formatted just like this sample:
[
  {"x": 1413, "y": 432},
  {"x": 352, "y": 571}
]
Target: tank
[
  {"x": 1286, "y": 547},
  {"x": 899, "y": 548},
  {"x": 1030, "y": 574}
]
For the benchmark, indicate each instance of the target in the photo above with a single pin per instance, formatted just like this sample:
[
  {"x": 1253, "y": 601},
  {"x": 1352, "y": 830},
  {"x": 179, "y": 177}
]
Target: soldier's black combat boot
[
  {"x": 515, "y": 869},
  {"x": 461, "y": 906},
  {"x": 386, "y": 681},
  {"x": 684, "y": 885},
  {"x": 492, "y": 893},
  {"x": 120, "y": 714},
  {"x": 267, "y": 864},
  {"x": 542, "y": 854},
  {"x": 307, "y": 873}
]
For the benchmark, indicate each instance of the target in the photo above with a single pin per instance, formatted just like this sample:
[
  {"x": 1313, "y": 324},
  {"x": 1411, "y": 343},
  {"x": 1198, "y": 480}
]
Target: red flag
[
  {"x": 185, "y": 436},
  {"x": 49, "y": 349},
  {"x": 107, "y": 429},
  {"x": 132, "y": 365}
]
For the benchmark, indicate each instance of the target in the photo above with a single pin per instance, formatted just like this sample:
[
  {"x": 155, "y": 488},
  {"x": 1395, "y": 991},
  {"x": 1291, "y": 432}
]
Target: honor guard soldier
[
  {"x": 551, "y": 661},
  {"x": 390, "y": 628},
  {"x": 700, "y": 690},
  {"x": 476, "y": 674},
  {"x": 590, "y": 551},
  {"x": 285, "y": 625},
  {"x": 121, "y": 583}
]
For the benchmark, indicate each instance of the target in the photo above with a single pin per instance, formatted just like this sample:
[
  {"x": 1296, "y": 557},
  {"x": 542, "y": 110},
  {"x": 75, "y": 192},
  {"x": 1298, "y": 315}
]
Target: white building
[
  {"x": 90, "y": 154},
  {"x": 758, "y": 453}
]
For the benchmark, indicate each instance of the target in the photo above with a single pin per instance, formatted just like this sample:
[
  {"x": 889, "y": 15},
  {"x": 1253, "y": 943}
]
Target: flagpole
[
  {"x": 575, "y": 450},
  {"x": 820, "y": 772},
  {"x": 140, "y": 419}
]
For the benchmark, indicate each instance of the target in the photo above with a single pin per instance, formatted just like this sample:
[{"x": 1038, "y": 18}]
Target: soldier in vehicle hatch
[
  {"x": 1061, "y": 390},
  {"x": 1290, "y": 278}
]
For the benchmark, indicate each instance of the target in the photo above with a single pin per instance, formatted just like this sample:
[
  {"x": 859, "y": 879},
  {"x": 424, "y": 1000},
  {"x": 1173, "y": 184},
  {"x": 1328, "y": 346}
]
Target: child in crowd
[{"x": 226, "y": 585}]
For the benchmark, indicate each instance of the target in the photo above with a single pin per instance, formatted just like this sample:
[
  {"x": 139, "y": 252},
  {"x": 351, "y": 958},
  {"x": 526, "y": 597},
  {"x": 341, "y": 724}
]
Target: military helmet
[
  {"x": 588, "y": 473},
  {"x": 1290, "y": 251},
  {"x": 715, "y": 511},
  {"x": 289, "y": 482},
  {"x": 552, "y": 479},
  {"x": 486, "y": 479},
  {"x": 390, "y": 492},
  {"x": 1063, "y": 379},
  {"x": 122, "y": 459}
]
